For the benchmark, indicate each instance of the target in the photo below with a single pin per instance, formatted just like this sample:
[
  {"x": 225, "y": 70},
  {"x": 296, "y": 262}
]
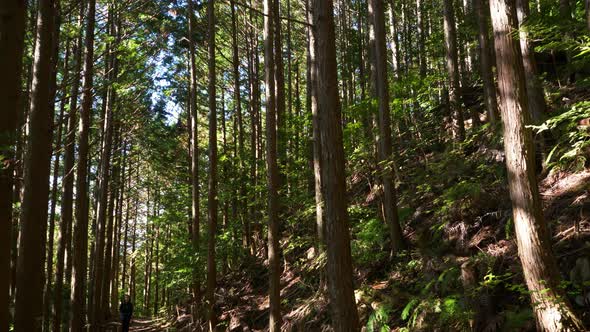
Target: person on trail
[{"x": 126, "y": 311}]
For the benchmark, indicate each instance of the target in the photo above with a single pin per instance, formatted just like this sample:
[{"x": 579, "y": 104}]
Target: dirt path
[{"x": 146, "y": 325}]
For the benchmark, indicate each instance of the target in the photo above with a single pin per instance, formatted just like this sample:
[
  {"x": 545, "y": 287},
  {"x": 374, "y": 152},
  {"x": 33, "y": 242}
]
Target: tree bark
[
  {"x": 550, "y": 306},
  {"x": 316, "y": 135},
  {"x": 30, "y": 271},
  {"x": 339, "y": 265},
  {"x": 103, "y": 219},
  {"x": 12, "y": 28},
  {"x": 487, "y": 75},
  {"x": 212, "y": 197},
  {"x": 194, "y": 142},
  {"x": 536, "y": 97},
  {"x": 272, "y": 168},
  {"x": 450, "y": 32},
  {"x": 47, "y": 298},
  {"x": 67, "y": 183},
  {"x": 377, "y": 13},
  {"x": 80, "y": 249}
]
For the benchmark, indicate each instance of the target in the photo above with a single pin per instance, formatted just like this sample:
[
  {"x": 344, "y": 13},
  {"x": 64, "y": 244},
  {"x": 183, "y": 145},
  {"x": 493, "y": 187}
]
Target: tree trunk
[
  {"x": 30, "y": 274},
  {"x": 272, "y": 168},
  {"x": 487, "y": 75},
  {"x": 450, "y": 31},
  {"x": 377, "y": 13},
  {"x": 47, "y": 299},
  {"x": 254, "y": 93},
  {"x": 395, "y": 52},
  {"x": 536, "y": 97},
  {"x": 12, "y": 27},
  {"x": 212, "y": 198},
  {"x": 80, "y": 249},
  {"x": 422, "y": 56},
  {"x": 194, "y": 143},
  {"x": 587, "y": 3},
  {"x": 316, "y": 136},
  {"x": 339, "y": 265},
  {"x": 280, "y": 98},
  {"x": 67, "y": 183},
  {"x": 104, "y": 187},
  {"x": 551, "y": 308}
]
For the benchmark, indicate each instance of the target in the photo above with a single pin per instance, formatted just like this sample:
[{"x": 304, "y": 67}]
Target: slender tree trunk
[
  {"x": 551, "y": 308},
  {"x": 212, "y": 198},
  {"x": 67, "y": 183},
  {"x": 376, "y": 11},
  {"x": 30, "y": 274},
  {"x": 316, "y": 135},
  {"x": 536, "y": 96},
  {"x": 47, "y": 299},
  {"x": 394, "y": 39},
  {"x": 487, "y": 75},
  {"x": 156, "y": 282},
  {"x": 12, "y": 27},
  {"x": 254, "y": 84},
  {"x": 194, "y": 142},
  {"x": 450, "y": 31},
  {"x": 102, "y": 219},
  {"x": 280, "y": 97},
  {"x": 272, "y": 167},
  {"x": 422, "y": 56},
  {"x": 80, "y": 237},
  {"x": 132, "y": 288},
  {"x": 339, "y": 265},
  {"x": 57, "y": 151},
  {"x": 587, "y": 4}
]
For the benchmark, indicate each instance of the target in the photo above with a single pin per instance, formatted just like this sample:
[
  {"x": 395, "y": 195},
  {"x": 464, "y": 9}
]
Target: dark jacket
[{"x": 126, "y": 310}]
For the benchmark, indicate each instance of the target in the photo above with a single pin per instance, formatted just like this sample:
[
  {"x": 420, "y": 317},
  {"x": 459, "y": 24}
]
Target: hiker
[{"x": 126, "y": 311}]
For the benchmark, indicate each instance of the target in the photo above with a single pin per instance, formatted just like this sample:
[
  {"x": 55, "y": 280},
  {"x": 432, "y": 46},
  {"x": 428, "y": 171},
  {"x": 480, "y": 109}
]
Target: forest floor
[
  {"x": 462, "y": 270},
  {"x": 424, "y": 287}
]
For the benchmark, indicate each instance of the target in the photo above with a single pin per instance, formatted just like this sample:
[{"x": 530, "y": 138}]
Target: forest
[{"x": 295, "y": 165}]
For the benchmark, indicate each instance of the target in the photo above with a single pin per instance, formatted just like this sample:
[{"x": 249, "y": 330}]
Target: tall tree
[
  {"x": 489, "y": 86},
  {"x": 339, "y": 265},
  {"x": 272, "y": 168},
  {"x": 377, "y": 13},
  {"x": 536, "y": 96},
  {"x": 312, "y": 86},
  {"x": 80, "y": 232},
  {"x": 103, "y": 219},
  {"x": 212, "y": 198},
  {"x": 194, "y": 149},
  {"x": 12, "y": 28},
  {"x": 551, "y": 308},
  {"x": 29, "y": 295},
  {"x": 68, "y": 179},
  {"x": 450, "y": 31}
]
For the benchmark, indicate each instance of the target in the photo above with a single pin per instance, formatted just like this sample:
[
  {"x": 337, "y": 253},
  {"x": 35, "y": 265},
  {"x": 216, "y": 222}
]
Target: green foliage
[
  {"x": 517, "y": 318},
  {"x": 379, "y": 318},
  {"x": 571, "y": 148},
  {"x": 369, "y": 236}
]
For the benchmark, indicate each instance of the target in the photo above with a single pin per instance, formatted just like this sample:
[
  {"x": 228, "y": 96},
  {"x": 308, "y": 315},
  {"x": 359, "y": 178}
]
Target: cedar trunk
[
  {"x": 551, "y": 308},
  {"x": 212, "y": 198},
  {"x": 12, "y": 26},
  {"x": 272, "y": 169},
  {"x": 30, "y": 273},
  {"x": 377, "y": 13},
  {"x": 485, "y": 60},
  {"x": 450, "y": 31},
  {"x": 339, "y": 261},
  {"x": 80, "y": 232}
]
